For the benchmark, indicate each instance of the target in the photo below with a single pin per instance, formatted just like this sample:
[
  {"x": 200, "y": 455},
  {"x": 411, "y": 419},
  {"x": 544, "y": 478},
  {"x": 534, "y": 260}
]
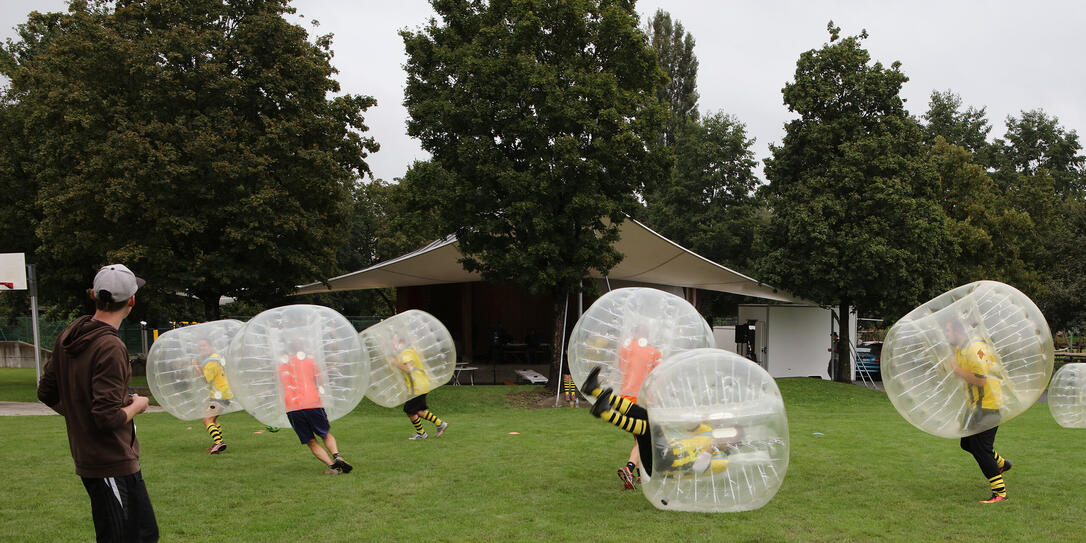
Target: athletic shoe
[
  {"x": 995, "y": 498},
  {"x": 1006, "y": 466},
  {"x": 441, "y": 429},
  {"x": 592, "y": 382},
  {"x": 333, "y": 470},
  {"x": 423, "y": 435},
  {"x": 342, "y": 465},
  {"x": 603, "y": 403},
  {"x": 627, "y": 478},
  {"x": 216, "y": 448}
]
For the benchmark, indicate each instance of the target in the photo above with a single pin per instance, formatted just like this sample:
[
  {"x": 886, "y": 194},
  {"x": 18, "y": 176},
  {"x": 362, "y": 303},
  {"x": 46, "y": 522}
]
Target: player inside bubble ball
[
  {"x": 974, "y": 361},
  {"x": 418, "y": 385},
  {"x": 299, "y": 376},
  {"x": 219, "y": 395},
  {"x": 700, "y": 451}
]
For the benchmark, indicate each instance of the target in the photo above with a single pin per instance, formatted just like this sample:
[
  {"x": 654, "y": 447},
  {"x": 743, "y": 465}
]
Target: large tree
[
  {"x": 966, "y": 128},
  {"x": 674, "y": 48},
  {"x": 855, "y": 223},
  {"x": 539, "y": 114},
  {"x": 198, "y": 141},
  {"x": 708, "y": 203}
]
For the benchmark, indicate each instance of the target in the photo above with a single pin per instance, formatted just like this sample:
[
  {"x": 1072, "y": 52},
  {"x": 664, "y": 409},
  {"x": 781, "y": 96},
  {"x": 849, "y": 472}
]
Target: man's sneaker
[
  {"x": 216, "y": 448},
  {"x": 592, "y": 382},
  {"x": 333, "y": 470},
  {"x": 441, "y": 429},
  {"x": 423, "y": 435},
  {"x": 1007, "y": 465},
  {"x": 342, "y": 465},
  {"x": 995, "y": 498},
  {"x": 603, "y": 403},
  {"x": 627, "y": 478}
]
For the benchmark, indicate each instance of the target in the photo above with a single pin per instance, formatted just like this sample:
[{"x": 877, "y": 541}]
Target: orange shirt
[
  {"x": 299, "y": 379},
  {"x": 635, "y": 360}
]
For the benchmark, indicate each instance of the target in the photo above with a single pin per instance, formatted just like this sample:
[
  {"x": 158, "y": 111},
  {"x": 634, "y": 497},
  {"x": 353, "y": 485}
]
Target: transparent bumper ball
[
  {"x": 186, "y": 370},
  {"x": 1067, "y": 396},
  {"x": 629, "y": 326},
  {"x": 986, "y": 327},
  {"x": 297, "y": 357},
  {"x": 410, "y": 354},
  {"x": 719, "y": 433}
]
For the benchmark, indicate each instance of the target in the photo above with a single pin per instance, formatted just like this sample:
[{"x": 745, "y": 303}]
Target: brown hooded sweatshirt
[{"x": 86, "y": 380}]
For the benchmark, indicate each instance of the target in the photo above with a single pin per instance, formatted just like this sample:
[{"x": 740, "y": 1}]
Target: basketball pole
[{"x": 32, "y": 283}]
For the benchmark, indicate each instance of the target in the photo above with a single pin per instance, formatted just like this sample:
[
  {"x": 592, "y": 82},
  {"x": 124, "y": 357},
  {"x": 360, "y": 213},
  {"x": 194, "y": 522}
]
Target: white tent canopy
[{"x": 648, "y": 258}]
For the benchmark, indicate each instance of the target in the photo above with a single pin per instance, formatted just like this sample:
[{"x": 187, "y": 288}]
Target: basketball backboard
[{"x": 12, "y": 271}]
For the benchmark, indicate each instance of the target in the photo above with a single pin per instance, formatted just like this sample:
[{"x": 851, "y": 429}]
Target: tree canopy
[
  {"x": 674, "y": 48},
  {"x": 854, "y": 219},
  {"x": 539, "y": 114},
  {"x": 199, "y": 142}
]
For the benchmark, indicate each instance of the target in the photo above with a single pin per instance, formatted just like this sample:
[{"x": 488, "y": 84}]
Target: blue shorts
[{"x": 307, "y": 422}]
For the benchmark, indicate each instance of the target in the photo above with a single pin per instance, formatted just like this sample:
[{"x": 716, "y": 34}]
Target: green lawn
[{"x": 870, "y": 476}]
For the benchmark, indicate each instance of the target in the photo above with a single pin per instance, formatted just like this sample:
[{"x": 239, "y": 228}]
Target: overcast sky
[{"x": 1005, "y": 55}]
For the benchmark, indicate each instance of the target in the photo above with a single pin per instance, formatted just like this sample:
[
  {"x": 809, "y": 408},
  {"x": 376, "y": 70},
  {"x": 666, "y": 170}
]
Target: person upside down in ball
[
  {"x": 974, "y": 362},
  {"x": 697, "y": 454},
  {"x": 211, "y": 369}
]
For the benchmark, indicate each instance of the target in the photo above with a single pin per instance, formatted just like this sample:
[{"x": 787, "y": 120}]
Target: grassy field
[{"x": 868, "y": 476}]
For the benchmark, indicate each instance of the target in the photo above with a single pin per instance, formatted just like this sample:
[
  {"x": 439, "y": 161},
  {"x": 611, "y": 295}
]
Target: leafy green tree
[
  {"x": 675, "y": 50},
  {"x": 855, "y": 221},
  {"x": 708, "y": 205},
  {"x": 197, "y": 141},
  {"x": 1036, "y": 142},
  {"x": 967, "y": 129},
  {"x": 539, "y": 114},
  {"x": 990, "y": 235}
]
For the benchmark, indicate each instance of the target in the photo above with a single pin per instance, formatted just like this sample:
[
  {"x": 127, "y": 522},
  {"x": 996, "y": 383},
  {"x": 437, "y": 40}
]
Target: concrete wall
[{"x": 18, "y": 354}]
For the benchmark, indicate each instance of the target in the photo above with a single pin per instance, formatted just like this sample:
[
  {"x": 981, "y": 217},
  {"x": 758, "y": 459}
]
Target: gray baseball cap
[{"x": 118, "y": 281}]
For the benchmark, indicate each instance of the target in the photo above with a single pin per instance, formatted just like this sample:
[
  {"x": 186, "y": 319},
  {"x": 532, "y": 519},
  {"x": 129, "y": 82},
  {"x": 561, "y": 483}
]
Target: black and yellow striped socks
[
  {"x": 417, "y": 422},
  {"x": 432, "y": 418},
  {"x": 215, "y": 431},
  {"x": 1000, "y": 461},
  {"x": 998, "y": 488}
]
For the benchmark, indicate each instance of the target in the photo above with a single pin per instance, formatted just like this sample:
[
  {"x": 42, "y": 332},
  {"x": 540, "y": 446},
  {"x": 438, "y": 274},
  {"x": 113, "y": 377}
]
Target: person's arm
[
  {"x": 970, "y": 377},
  {"x": 48, "y": 393},
  {"x": 111, "y": 404}
]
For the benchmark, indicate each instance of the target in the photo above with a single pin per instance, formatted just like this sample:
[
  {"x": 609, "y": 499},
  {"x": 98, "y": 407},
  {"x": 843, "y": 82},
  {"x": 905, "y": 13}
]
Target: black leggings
[{"x": 982, "y": 447}]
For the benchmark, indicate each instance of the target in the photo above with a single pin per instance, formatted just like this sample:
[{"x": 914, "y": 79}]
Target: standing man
[
  {"x": 86, "y": 381},
  {"x": 973, "y": 361},
  {"x": 219, "y": 394}
]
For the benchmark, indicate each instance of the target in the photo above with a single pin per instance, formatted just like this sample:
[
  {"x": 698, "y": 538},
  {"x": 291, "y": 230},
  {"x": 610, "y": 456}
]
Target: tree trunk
[
  {"x": 554, "y": 376},
  {"x": 211, "y": 307},
  {"x": 844, "y": 352}
]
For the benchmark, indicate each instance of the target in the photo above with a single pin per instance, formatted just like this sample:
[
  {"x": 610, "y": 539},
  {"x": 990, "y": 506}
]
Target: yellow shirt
[
  {"x": 416, "y": 380},
  {"x": 213, "y": 374},
  {"x": 976, "y": 357}
]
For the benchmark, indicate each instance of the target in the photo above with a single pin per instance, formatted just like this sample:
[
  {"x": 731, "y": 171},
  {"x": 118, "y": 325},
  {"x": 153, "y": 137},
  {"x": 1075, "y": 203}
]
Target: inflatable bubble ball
[
  {"x": 628, "y": 331},
  {"x": 1067, "y": 396},
  {"x": 297, "y": 357},
  {"x": 186, "y": 370},
  {"x": 410, "y": 354},
  {"x": 719, "y": 433},
  {"x": 968, "y": 360}
]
